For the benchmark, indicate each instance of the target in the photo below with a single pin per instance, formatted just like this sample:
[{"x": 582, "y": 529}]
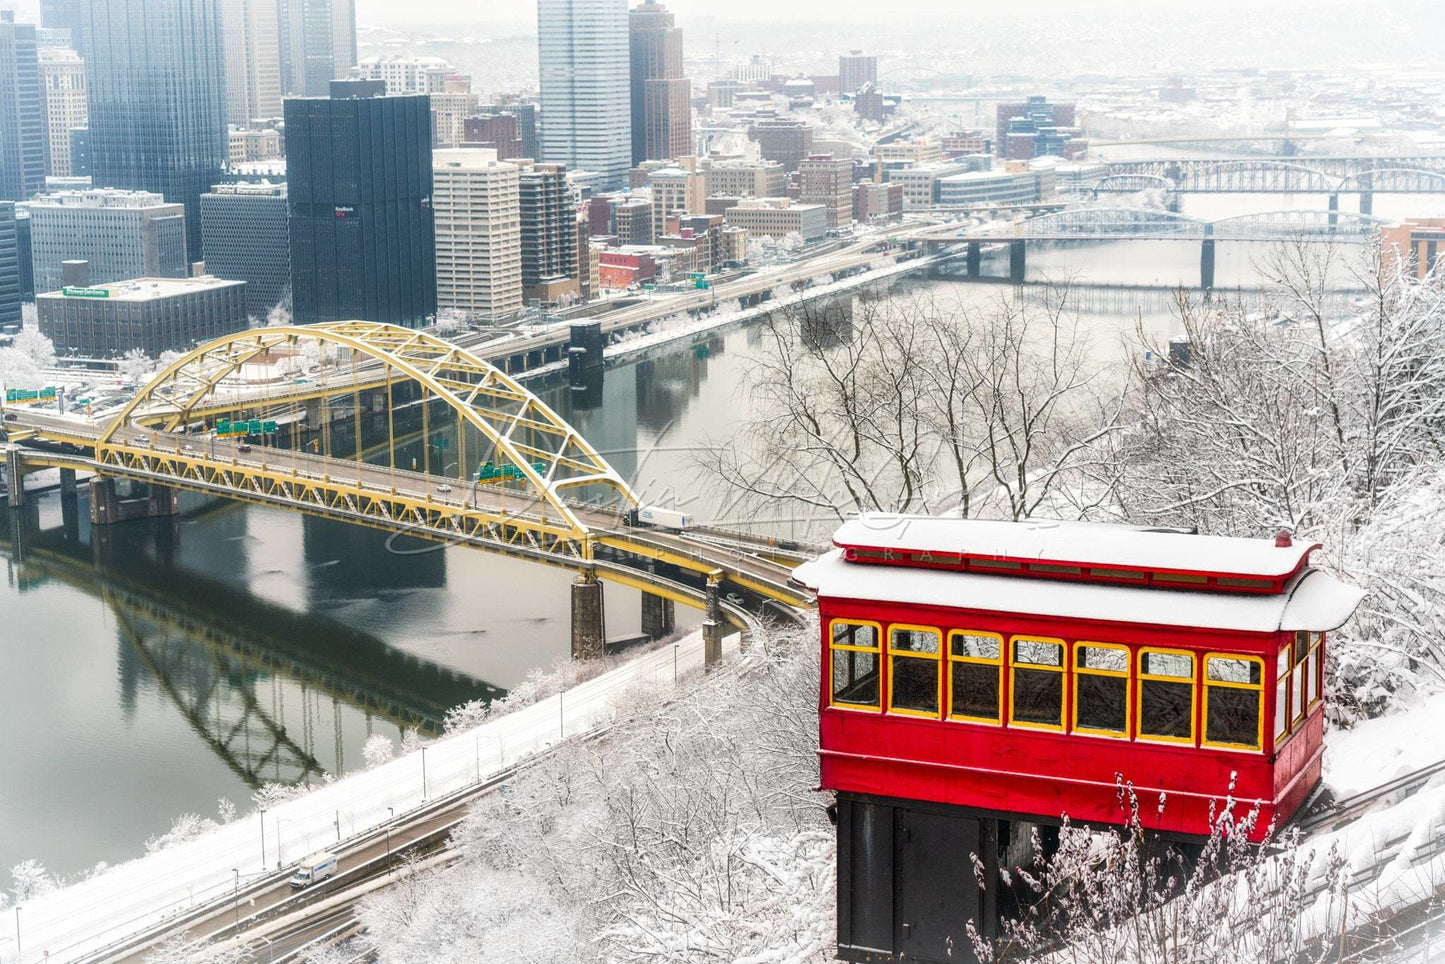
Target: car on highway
[
  {"x": 444, "y": 488},
  {"x": 11, "y": 417},
  {"x": 243, "y": 447}
]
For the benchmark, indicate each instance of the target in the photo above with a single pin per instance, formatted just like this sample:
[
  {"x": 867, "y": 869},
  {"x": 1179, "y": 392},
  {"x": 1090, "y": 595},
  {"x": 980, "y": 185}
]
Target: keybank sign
[{"x": 71, "y": 292}]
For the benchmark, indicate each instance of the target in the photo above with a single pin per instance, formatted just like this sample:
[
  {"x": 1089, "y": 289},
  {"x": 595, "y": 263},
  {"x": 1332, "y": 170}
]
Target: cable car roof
[
  {"x": 1313, "y": 601},
  {"x": 931, "y": 542}
]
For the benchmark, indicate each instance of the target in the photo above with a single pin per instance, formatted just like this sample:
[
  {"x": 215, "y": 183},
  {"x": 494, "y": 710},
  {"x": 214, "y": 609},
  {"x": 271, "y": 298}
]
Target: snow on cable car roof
[
  {"x": 1079, "y": 543},
  {"x": 1315, "y": 601}
]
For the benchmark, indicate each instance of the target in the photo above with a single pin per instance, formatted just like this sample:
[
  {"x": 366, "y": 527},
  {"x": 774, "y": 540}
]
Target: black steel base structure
[{"x": 906, "y": 882}]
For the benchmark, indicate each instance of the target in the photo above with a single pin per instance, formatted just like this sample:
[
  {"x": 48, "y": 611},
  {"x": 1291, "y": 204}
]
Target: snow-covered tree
[
  {"x": 28, "y": 879},
  {"x": 377, "y": 750}
]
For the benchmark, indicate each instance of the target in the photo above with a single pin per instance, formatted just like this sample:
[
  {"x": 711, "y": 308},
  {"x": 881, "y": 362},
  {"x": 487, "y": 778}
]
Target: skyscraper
[
  {"x": 549, "y": 233},
  {"x": 62, "y": 88},
  {"x": 253, "y": 59},
  {"x": 359, "y": 172},
  {"x": 64, "y": 15},
  {"x": 584, "y": 66},
  {"x": 9, "y": 269},
  {"x": 478, "y": 225},
  {"x": 661, "y": 95},
  {"x": 245, "y": 238},
  {"x": 22, "y": 115},
  {"x": 318, "y": 44},
  {"x": 157, "y": 99}
]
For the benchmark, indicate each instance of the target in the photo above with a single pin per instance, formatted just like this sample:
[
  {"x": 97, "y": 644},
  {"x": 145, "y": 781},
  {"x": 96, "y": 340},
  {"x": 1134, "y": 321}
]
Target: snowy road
[{"x": 85, "y": 918}]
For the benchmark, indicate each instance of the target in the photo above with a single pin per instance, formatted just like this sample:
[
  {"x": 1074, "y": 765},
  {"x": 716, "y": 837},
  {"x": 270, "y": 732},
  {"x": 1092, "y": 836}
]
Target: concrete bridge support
[
  {"x": 974, "y": 259},
  {"x": 108, "y": 504},
  {"x": 659, "y": 616},
  {"x": 713, "y": 626},
  {"x": 1206, "y": 265},
  {"x": 1017, "y": 261},
  {"x": 589, "y": 622},
  {"x": 69, "y": 488},
  {"x": 584, "y": 348},
  {"x": 1367, "y": 202},
  {"x": 14, "y": 478},
  {"x": 1334, "y": 211}
]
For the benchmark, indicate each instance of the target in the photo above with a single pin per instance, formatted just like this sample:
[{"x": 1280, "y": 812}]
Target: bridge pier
[
  {"x": 68, "y": 486},
  {"x": 713, "y": 625},
  {"x": 1206, "y": 266},
  {"x": 659, "y": 616},
  {"x": 973, "y": 261},
  {"x": 1334, "y": 211},
  {"x": 108, "y": 506},
  {"x": 584, "y": 347},
  {"x": 589, "y": 623},
  {"x": 1367, "y": 202},
  {"x": 14, "y": 478},
  {"x": 1017, "y": 265}
]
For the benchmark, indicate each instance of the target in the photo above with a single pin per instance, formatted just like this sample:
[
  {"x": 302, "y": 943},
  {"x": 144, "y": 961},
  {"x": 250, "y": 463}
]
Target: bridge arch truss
[{"x": 539, "y": 450}]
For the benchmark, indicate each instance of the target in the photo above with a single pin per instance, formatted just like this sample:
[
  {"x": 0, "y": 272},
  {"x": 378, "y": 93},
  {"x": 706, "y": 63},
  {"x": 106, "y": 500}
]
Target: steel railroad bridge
[
  {"x": 526, "y": 484},
  {"x": 1330, "y": 176},
  {"x": 1101, "y": 224}
]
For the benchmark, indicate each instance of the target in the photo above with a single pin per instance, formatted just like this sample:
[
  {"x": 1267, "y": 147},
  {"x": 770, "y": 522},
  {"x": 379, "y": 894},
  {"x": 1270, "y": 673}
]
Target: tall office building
[
  {"x": 318, "y": 44},
  {"x": 64, "y": 15},
  {"x": 661, "y": 95},
  {"x": 784, "y": 141},
  {"x": 62, "y": 89},
  {"x": 253, "y": 60},
  {"x": 157, "y": 99},
  {"x": 22, "y": 242},
  {"x": 855, "y": 69},
  {"x": 524, "y": 120},
  {"x": 359, "y": 172},
  {"x": 9, "y": 269},
  {"x": 244, "y": 237},
  {"x": 407, "y": 75},
  {"x": 583, "y": 61},
  {"x": 123, "y": 234},
  {"x": 549, "y": 233},
  {"x": 22, "y": 115},
  {"x": 479, "y": 232},
  {"x": 828, "y": 180},
  {"x": 675, "y": 191}
]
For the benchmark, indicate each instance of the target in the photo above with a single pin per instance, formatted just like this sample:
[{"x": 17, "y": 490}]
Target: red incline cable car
[{"x": 978, "y": 674}]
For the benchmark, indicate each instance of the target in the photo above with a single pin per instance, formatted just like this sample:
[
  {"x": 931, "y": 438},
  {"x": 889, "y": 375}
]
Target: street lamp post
[
  {"x": 236, "y": 901},
  {"x": 423, "y": 774},
  {"x": 18, "y": 952},
  {"x": 391, "y": 815},
  {"x": 263, "y": 838}
]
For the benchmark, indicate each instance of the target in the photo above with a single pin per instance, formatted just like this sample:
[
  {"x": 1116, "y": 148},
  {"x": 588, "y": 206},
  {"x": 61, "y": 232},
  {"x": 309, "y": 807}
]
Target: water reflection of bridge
[{"x": 229, "y": 666}]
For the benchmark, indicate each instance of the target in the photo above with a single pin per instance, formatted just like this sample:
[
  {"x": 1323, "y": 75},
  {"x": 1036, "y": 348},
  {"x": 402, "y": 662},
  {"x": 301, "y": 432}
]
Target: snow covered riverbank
[{"x": 83, "y": 918}]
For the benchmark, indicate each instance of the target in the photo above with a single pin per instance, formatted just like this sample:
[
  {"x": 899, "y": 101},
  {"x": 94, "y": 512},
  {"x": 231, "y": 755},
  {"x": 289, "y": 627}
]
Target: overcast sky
[{"x": 525, "y": 11}]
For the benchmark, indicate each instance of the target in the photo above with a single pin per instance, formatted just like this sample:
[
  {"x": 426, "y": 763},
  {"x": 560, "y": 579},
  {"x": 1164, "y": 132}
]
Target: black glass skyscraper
[
  {"x": 9, "y": 269},
  {"x": 157, "y": 99},
  {"x": 22, "y": 114},
  {"x": 359, "y": 167}
]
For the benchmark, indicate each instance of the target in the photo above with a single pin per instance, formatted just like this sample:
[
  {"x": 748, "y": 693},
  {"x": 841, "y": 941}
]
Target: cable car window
[
  {"x": 854, "y": 658},
  {"x": 1281, "y": 696},
  {"x": 1166, "y": 696},
  {"x": 1315, "y": 668},
  {"x": 914, "y": 653},
  {"x": 1101, "y": 689},
  {"x": 1037, "y": 674},
  {"x": 1233, "y": 697},
  {"x": 976, "y": 675}
]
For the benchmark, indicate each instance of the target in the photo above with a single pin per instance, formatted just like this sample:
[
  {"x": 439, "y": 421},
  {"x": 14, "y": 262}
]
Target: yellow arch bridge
[{"x": 402, "y": 431}]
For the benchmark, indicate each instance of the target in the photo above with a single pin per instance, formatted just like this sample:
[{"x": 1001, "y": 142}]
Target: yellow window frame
[
  {"x": 1117, "y": 674},
  {"x": 938, "y": 667},
  {"x": 1205, "y": 682},
  {"x": 1193, "y": 681},
  {"x": 1060, "y": 669},
  {"x": 1316, "y": 652},
  {"x": 997, "y": 718},
  {"x": 1282, "y": 669},
  {"x": 876, "y": 650}
]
